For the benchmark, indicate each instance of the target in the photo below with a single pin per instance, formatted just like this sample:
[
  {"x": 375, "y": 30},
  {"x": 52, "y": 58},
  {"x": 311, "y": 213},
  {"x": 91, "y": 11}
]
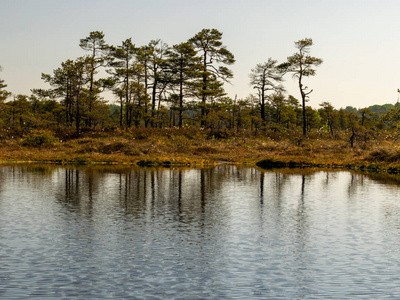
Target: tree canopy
[
  {"x": 301, "y": 65},
  {"x": 161, "y": 86}
]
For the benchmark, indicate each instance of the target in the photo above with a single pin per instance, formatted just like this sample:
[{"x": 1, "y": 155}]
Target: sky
[{"x": 357, "y": 39}]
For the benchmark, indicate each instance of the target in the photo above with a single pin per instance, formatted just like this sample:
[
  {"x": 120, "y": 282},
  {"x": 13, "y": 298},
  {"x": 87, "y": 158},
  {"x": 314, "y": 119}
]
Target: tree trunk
[
  {"x": 78, "y": 114},
  {"x": 204, "y": 97},
  {"x": 121, "y": 112},
  {"x": 303, "y": 98},
  {"x": 262, "y": 105}
]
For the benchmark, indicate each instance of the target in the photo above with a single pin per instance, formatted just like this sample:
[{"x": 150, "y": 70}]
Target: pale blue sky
[{"x": 357, "y": 39}]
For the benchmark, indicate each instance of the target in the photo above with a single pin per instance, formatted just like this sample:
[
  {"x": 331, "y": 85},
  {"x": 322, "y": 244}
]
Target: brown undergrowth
[{"x": 193, "y": 147}]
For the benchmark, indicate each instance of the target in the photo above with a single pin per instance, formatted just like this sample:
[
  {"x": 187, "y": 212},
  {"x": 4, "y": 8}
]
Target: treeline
[{"x": 160, "y": 86}]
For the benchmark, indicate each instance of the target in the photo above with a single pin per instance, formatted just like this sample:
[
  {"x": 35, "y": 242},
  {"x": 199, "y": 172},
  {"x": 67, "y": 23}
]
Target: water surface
[{"x": 219, "y": 233}]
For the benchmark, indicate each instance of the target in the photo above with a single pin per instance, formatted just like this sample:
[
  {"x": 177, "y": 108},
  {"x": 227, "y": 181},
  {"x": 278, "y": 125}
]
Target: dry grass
[{"x": 191, "y": 146}]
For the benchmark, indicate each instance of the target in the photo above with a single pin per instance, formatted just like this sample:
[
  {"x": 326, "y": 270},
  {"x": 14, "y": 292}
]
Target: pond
[{"x": 221, "y": 233}]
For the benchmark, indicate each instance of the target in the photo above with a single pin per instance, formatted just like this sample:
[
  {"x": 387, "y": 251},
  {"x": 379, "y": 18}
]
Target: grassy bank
[{"x": 189, "y": 147}]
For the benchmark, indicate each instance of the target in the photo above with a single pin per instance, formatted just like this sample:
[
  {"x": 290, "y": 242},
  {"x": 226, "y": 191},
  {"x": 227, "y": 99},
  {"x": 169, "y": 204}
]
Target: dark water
[{"x": 221, "y": 233}]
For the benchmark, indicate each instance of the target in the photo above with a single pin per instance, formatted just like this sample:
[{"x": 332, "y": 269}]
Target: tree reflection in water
[{"x": 200, "y": 233}]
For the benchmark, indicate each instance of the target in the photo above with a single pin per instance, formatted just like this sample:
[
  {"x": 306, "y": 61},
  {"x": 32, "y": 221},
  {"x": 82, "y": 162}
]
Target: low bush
[
  {"x": 220, "y": 133},
  {"x": 380, "y": 155},
  {"x": 143, "y": 133},
  {"x": 120, "y": 146},
  {"x": 39, "y": 138},
  {"x": 384, "y": 155}
]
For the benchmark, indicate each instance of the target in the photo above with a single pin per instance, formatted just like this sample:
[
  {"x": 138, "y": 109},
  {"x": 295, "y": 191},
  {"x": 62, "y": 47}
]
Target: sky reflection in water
[{"x": 219, "y": 233}]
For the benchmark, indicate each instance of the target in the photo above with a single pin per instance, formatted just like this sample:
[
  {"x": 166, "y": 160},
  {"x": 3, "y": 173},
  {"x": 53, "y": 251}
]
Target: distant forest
[{"x": 162, "y": 86}]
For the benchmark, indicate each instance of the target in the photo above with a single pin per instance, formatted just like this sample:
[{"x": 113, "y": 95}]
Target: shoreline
[
  {"x": 179, "y": 149},
  {"x": 268, "y": 163}
]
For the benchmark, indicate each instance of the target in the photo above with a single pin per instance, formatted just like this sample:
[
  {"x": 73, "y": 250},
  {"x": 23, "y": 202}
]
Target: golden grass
[{"x": 197, "y": 148}]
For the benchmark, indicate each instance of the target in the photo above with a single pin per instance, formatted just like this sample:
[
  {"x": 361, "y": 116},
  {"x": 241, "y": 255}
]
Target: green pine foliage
[{"x": 159, "y": 87}]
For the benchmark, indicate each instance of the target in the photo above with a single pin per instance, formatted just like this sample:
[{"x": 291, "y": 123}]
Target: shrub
[
  {"x": 384, "y": 155},
  {"x": 380, "y": 155},
  {"x": 220, "y": 134},
  {"x": 143, "y": 133},
  {"x": 39, "y": 138},
  {"x": 89, "y": 145},
  {"x": 116, "y": 146}
]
